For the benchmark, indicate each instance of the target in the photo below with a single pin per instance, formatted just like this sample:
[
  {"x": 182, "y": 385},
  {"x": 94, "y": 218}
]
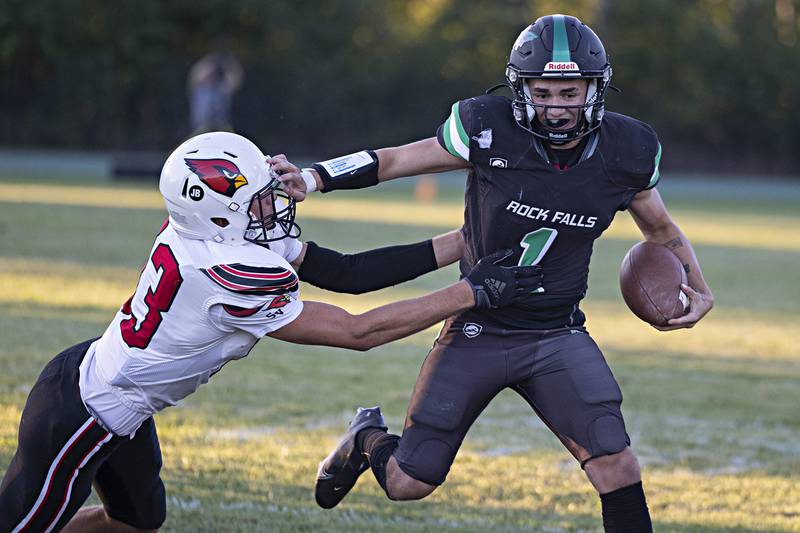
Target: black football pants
[
  {"x": 561, "y": 373},
  {"x": 62, "y": 450}
]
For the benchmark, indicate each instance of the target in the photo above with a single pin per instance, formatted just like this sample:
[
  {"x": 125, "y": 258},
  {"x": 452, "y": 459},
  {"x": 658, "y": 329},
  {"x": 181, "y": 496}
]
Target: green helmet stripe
[
  {"x": 560, "y": 41},
  {"x": 656, "y": 174},
  {"x": 455, "y": 137}
]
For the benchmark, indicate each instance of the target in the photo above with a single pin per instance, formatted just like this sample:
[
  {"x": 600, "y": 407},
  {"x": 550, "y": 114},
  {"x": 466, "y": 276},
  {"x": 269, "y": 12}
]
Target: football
[{"x": 650, "y": 279}]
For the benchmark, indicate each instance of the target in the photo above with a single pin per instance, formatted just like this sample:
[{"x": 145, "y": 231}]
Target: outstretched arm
[
  {"x": 487, "y": 286},
  {"x": 421, "y": 157},
  {"x": 650, "y": 214},
  {"x": 376, "y": 269},
  {"x": 328, "y": 325}
]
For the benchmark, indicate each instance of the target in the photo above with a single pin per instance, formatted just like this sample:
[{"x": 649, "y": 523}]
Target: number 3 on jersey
[
  {"x": 158, "y": 300},
  {"x": 534, "y": 245}
]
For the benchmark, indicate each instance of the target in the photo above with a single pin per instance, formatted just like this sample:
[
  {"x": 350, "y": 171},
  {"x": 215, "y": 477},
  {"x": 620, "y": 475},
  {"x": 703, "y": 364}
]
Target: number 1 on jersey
[{"x": 534, "y": 245}]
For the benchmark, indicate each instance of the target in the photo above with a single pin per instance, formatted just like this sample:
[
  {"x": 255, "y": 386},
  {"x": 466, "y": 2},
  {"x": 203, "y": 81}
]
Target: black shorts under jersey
[
  {"x": 62, "y": 451},
  {"x": 561, "y": 373}
]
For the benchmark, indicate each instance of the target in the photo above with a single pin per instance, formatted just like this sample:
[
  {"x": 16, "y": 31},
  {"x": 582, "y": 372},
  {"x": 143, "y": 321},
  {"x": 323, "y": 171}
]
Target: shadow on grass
[{"x": 291, "y": 508}]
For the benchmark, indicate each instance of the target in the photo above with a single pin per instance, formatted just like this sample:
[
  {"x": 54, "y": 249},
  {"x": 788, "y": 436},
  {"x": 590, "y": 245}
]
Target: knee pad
[
  {"x": 607, "y": 435},
  {"x": 429, "y": 446},
  {"x": 428, "y": 462}
]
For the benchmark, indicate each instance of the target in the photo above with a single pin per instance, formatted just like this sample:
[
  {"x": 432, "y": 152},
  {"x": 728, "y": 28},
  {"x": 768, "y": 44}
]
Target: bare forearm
[
  {"x": 487, "y": 286},
  {"x": 400, "y": 319},
  {"x": 421, "y": 157},
  {"x": 327, "y": 325},
  {"x": 448, "y": 247},
  {"x": 673, "y": 238},
  {"x": 650, "y": 214}
]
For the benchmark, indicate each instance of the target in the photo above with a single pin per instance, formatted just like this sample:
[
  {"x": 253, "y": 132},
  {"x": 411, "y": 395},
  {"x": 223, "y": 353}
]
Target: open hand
[{"x": 292, "y": 182}]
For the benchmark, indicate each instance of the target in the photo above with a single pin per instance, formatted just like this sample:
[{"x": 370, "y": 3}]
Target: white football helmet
[{"x": 218, "y": 186}]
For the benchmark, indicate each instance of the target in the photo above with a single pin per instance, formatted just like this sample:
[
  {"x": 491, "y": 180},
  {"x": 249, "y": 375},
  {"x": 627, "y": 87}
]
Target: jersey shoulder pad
[
  {"x": 257, "y": 280},
  {"x": 468, "y": 127},
  {"x": 247, "y": 270},
  {"x": 631, "y": 151}
]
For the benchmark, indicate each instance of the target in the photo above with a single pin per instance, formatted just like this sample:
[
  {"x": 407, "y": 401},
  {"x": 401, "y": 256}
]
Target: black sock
[
  {"x": 378, "y": 446},
  {"x": 365, "y": 439},
  {"x": 625, "y": 510}
]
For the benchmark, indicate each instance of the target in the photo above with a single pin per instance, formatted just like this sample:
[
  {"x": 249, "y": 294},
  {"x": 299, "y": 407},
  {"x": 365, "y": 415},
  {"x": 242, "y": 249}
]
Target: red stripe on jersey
[
  {"x": 240, "y": 312},
  {"x": 225, "y": 283},
  {"x": 279, "y": 301},
  {"x": 241, "y": 273},
  {"x": 248, "y": 288}
]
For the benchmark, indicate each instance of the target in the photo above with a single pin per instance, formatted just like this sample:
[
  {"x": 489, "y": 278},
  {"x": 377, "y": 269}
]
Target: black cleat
[{"x": 339, "y": 471}]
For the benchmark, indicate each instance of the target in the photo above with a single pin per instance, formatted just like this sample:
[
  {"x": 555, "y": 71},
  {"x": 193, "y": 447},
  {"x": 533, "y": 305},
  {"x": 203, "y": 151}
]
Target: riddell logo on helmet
[
  {"x": 561, "y": 65},
  {"x": 220, "y": 175}
]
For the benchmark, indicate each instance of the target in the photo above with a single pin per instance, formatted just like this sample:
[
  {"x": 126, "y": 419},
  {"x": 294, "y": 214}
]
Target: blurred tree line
[{"x": 718, "y": 79}]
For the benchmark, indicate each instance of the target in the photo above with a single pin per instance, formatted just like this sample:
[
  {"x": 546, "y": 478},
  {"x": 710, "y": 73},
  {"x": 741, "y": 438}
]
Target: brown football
[{"x": 650, "y": 279}]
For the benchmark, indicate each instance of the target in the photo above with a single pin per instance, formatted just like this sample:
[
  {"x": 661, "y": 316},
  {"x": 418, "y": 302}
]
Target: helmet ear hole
[{"x": 221, "y": 222}]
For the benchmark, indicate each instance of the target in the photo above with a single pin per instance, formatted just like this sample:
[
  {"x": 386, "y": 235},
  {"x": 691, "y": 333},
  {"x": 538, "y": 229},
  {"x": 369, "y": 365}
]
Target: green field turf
[{"x": 712, "y": 412}]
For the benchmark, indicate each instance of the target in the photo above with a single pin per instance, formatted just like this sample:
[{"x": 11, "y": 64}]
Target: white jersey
[{"x": 198, "y": 305}]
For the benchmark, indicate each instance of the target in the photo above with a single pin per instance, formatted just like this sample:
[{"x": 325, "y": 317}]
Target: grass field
[{"x": 713, "y": 412}]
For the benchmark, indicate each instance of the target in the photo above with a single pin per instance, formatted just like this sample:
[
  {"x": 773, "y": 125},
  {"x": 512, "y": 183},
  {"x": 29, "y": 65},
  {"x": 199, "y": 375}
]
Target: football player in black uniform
[{"x": 547, "y": 173}]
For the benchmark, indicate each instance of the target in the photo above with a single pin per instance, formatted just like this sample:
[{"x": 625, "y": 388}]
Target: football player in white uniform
[{"x": 218, "y": 278}]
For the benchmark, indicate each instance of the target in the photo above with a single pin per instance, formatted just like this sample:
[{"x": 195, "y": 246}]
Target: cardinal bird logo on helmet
[{"x": 220, "y": 175}]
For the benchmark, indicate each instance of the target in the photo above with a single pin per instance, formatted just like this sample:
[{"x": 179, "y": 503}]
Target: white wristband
[{"x": 308, "y": 177}]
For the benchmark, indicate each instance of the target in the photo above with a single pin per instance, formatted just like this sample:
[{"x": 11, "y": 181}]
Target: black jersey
[{"x": 516, "y": 199}]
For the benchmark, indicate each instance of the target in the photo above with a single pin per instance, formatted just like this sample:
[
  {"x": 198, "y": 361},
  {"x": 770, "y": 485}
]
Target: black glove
[{"x": 497, "y": 286}]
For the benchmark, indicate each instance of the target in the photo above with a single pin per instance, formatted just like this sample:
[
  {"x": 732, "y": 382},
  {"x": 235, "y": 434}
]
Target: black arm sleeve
[{"x": 366, "y": 271}]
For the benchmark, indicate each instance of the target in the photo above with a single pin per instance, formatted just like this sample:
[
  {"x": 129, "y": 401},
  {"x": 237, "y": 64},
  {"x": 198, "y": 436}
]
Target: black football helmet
[{"x": 558, "y": 46}]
